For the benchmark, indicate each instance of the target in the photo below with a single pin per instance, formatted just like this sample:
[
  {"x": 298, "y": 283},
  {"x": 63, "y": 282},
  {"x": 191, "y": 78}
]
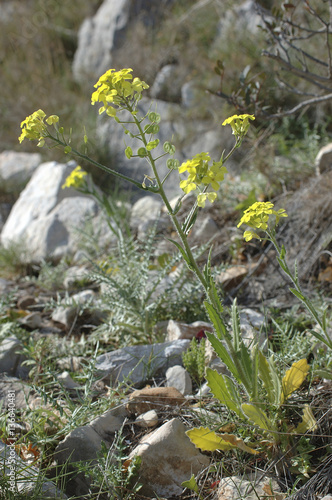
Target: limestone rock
[
  {"x": 177, "y": 330},
  {"x": 98, "y": 37},
  {"x": 46, "y": 217},
  {"x": 323, "y": 160},
  {"x": 179, "y": 378},
  {"x": 141, "y": 362},
  {"x": 168, "y": 459},
  {"x": 148, "y": 419},
  {"x": 154, "y": 398},
  {"x": 251, "y": 487}
]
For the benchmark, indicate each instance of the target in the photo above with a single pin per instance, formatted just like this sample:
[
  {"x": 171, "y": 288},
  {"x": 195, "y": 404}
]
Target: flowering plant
[{"x": 250, "y": 368}]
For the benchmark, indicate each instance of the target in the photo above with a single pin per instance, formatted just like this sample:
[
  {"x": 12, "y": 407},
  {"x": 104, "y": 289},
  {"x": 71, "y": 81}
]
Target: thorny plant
[{"x": 255, "y": 391}]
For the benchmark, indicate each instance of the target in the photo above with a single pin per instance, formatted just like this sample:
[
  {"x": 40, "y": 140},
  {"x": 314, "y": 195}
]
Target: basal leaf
[
  {"x": 258, "y": 417},
  {"x": 207, "y": 440},
  {"x": 223, "y": 354},
  {"x": 224, "y": 389},
  {"x": 308, "y": 422},
  {"x": 293, "y": 378}
]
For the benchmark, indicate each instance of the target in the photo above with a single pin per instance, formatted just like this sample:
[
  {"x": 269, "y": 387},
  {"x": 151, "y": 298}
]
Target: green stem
[
  {"x": 176, "y": 223},
  {"x": 109, "y": 170},
  {"x": 297, "y": 287}
]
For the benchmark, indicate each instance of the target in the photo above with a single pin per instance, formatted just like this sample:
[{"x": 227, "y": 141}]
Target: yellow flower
[
  {"x": 257, "y": 217},
  {"x": 239, "y": 124},
  {"x": 33, "y": 127},
  {"x": 114, "y": 88},
  {"x": 201, "y": 198},
  {"x": 75, "y": 179}
]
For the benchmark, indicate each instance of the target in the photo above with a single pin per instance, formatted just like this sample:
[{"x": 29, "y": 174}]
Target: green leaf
[
  {"x": 294, "y": 378},
  {"x": 183, "y": 253},
  {"x": 207, "y": 440},
  {"x": 223, "y": 354},
  {"x": 152, "y": 145},
  {"x": 269, "y": 376},
  {"x": 224, "y": 389},
  {"x": 191, "y": 484},
  {"x": 258, "y": 417},
  {"x": 218, "y": 323},
  {"x": 297, "y": 294},
  {"x": 128, "y": 152}
]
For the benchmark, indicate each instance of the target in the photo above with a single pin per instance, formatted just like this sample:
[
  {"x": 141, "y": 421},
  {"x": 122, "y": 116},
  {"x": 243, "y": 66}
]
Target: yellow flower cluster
[
  {"x": 75, "y": 179},
  {"x": 34, "y": 127},
  {"x": 201, "y": 174},
  {"x": 116, "y": 88},
  {"x": 257, "y": 217},
  {"x": 239, "y": 124}
]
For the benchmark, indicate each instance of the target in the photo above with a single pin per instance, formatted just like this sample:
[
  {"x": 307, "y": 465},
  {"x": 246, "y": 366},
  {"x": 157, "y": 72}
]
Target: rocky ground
[{"x": 88, "y": 394}]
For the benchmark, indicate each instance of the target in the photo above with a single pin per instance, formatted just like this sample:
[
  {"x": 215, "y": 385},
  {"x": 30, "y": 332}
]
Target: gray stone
[
  {"x": 80, "y": 445},
  {"x": 110, "y": 422},
  {"x": 167, "y": 84},
  {"x": 11, "y": 359},
  {"x": 323, "y": 161},
  {"x": 27, "y": 477},
  {"x": 75, "y": 275},
  {"x": 141, "y": 362},
  {"x": 67, "y": 382},
  {"x": 144, "y": 209},
  {"x": 204, "y": 230},
  {"x": 168, "y": 459},
  {"x": 16, "y": 169},
  {"x": 178, "y": 377},
  {"x": 13, "y": 385},
  {"x": 66, "y": 313}
]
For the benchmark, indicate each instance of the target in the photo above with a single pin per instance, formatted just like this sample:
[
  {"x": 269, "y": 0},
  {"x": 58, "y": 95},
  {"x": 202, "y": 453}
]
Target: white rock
[
  {"x": 147, "y": 419},
  {"x": 168, "y": 458},
  {"x": 97, "y": 37},
  {"x": 46, "y": 217},
  {"x": 323, "y": 160},
  {"x": 252, "y": 323},
  {"x": 141, "y": 362},
  {"x": 251, "y": 487},
  {"x": 177, "y": 330},
  {"x": 17, "y": 168},
  {"x": 178, "y": 377}
]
